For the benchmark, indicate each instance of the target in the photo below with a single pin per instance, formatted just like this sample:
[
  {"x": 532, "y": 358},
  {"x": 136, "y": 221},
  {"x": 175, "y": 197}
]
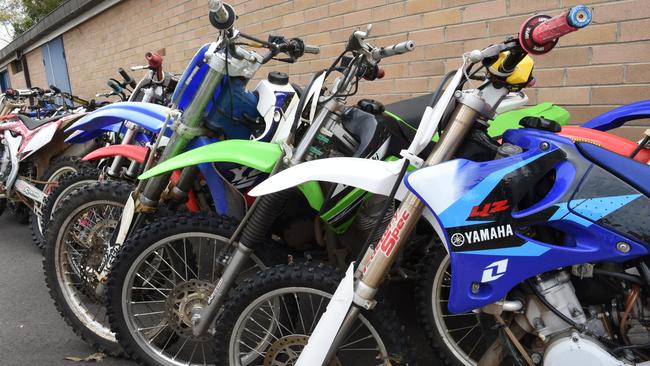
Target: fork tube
[
  {"x": 191, "y": 118},
  {"x": 378, "y": 261},
  {"x": 410, "y": 210}
]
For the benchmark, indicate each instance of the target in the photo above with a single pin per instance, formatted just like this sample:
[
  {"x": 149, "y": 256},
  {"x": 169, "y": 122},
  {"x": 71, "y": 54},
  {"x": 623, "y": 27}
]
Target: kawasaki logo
[{"x": 477, "y": 236}]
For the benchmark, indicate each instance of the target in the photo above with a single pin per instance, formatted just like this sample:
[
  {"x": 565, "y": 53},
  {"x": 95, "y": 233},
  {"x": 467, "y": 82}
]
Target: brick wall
[{"x": 594, "y": 70}]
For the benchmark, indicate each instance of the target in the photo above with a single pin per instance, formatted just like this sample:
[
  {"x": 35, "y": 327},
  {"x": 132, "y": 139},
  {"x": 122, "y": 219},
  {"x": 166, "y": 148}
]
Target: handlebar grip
[
  {"x": 314, "y": 50},
  {"x": 396, "y": 49},
  {"x": 565, "y": 23},
  {"x": 127, "y": 78},
  {"x": 55, "y": 89},
  {"x": 115, "y": 86},
  {"x": 539, "y": 34}
]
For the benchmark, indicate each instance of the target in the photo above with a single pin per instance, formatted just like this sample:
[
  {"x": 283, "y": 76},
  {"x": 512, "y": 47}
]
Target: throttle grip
[
  {"x": 396, "y": 49},
  {"x": 127, "y": 78},
  {"x": 314, "y": 50},
  {"x": 55, "y": 89},
  {"x": 539, "y": 34}
]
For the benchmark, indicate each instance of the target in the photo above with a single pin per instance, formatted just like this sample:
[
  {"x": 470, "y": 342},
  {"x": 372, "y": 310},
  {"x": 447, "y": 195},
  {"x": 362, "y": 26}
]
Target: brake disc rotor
[
  {"x": 286, "y": 350},
  {"x": 182, "y": 301}
]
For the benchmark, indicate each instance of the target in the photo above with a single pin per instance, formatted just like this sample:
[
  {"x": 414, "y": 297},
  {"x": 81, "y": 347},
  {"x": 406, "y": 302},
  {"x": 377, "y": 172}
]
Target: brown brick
[
  {"x": 564, "y": 96},
  {"x": 331, "y": 23},
  {"x": 445, "y": 50},
  {"x": 506, "y": 26},
  {"x": 519, "y": 7},
  {"x": 341, "y": 7},
  {"x": 426, "y": 68},
  {"x": 411, "y": 85},
  {"x": 293, "y": 19},
  {"x": 428, "y": 36},
  {"x": 615, "y": 11},
  {"x": 548, "y": 77},
  {"x": 596, "y": 34},
  {"x": 368, "y": 4},
  {"x": 441, "y": 17},
  {"x": 485, "y": 10},
  {"x": 635, "y": 30},
  {"x": 453, "y": 3},
  {"x": 405, "y": 24},
  {"x": 619, "y": 94},
  {"x": 582, "y": 114},
  {"x": 357, "y": 18},
  {"x": 595, "y": 75},
  {"x": 465, "y": 31},
  {"x": 421, "y": 6},
  {"x": 564, "y": 57},
  {"x": 316, "y": 13},
  {"x": 617, "y": 53},
  {"x": 387, "y": 12},
  {"x": 637, "y": 73}
]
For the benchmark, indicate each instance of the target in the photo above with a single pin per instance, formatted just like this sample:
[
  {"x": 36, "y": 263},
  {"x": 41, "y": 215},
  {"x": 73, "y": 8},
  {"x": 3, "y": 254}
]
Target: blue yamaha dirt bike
[{"x": 549, "y": 241}]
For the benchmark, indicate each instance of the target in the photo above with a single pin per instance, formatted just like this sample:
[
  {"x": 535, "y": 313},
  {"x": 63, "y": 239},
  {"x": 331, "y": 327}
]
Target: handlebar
[
  {"x": 115, "y": 86},
  {"x": 539, "y": 34},
  {"x": 127, "y": 78},
  {"x": 396, "y": 49},
  {"x": 55, "y": 89}
]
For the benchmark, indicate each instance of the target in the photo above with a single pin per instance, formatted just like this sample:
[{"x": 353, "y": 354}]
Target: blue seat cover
[{"x": 629, "y": 170}]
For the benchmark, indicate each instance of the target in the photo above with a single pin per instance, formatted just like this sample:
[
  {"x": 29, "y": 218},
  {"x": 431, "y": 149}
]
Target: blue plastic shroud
[{"x": 491, "y": 222}]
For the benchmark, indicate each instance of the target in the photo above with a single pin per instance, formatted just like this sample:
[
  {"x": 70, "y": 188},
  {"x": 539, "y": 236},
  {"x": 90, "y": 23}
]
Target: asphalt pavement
[
  {"x": 33, "y": 333},
  {"x": 31, "y": 330}
]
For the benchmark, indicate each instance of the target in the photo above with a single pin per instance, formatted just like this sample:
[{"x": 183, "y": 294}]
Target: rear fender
[
  {"x": 617, "y": 117},
  {"x": 148, "y": 116},
  {"x": 131, "y": 152}
]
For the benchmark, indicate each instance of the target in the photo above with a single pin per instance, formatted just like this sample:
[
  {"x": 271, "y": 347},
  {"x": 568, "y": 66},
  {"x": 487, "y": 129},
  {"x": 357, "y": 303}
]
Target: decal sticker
[
  {"x": 489, "y": 209},
  {"x": 494, "y": 271},
  {"x": 392, "y": 233},
  {"x": 483, "y": 237}
]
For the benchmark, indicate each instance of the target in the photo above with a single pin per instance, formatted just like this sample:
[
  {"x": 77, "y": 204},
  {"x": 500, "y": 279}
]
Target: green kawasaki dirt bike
[{"x": 171, "y": 277}]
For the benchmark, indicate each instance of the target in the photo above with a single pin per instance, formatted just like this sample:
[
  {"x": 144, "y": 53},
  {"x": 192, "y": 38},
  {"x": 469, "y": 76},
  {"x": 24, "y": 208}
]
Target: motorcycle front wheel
[
  {"x": 272, "y": 315},
  {"x": 166, "y": 272},
  {"x": 77, "y": 245}
]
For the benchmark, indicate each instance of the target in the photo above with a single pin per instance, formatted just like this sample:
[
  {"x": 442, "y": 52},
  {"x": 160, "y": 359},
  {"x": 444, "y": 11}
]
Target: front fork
[{"x": 378, "y": 260}]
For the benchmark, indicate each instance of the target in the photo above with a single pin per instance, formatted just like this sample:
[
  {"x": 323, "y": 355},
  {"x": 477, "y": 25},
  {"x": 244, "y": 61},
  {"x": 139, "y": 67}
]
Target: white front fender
[{"x": 373, "y": 176}]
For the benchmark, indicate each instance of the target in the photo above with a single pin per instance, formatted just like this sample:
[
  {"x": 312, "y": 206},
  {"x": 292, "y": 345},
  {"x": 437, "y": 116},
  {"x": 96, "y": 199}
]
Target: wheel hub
[
  {"x": 286, "y": 350},
  {"x": 183, "y": 302}
]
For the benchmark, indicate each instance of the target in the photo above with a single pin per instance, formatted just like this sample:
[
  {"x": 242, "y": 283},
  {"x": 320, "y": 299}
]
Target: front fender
[
  {"x": 619, "y": 116},
  {"x": 147, "y": 115},
  {"x": 132, "y": 152},
  {"x": 374, "y": 176},
  {"x": 261, "y": 156}
]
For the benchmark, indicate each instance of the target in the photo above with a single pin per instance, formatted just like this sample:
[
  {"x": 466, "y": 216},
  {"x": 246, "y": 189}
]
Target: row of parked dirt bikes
[{"x": 203, "y": 222}]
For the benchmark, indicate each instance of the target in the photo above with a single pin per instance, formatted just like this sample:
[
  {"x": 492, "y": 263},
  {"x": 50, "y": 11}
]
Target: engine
[{"x": 610, "y": 317}]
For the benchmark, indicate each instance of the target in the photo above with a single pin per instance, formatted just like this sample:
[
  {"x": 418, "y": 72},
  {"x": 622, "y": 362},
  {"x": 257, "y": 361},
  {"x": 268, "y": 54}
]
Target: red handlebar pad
[{"x": 553, "y": 28}]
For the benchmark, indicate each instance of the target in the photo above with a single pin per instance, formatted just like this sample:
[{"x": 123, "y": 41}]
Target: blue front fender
[
  {"x": 619, "y": 116},
  {"x": 108, "y": 118}
]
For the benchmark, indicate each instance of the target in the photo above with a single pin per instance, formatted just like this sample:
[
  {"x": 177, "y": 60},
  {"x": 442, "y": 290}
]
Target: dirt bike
[
  {"x": 120, "y": 136},
  {"x": 212, "y": 86},
  {"x": 502, "y": 221}
]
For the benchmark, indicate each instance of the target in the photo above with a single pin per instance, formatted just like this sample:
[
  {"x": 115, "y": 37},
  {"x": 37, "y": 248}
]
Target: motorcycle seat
[
  {"x": 633, "y": 172},
  {"x": 33, "y": 123},
  {"x": 411, "y": 110}
]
